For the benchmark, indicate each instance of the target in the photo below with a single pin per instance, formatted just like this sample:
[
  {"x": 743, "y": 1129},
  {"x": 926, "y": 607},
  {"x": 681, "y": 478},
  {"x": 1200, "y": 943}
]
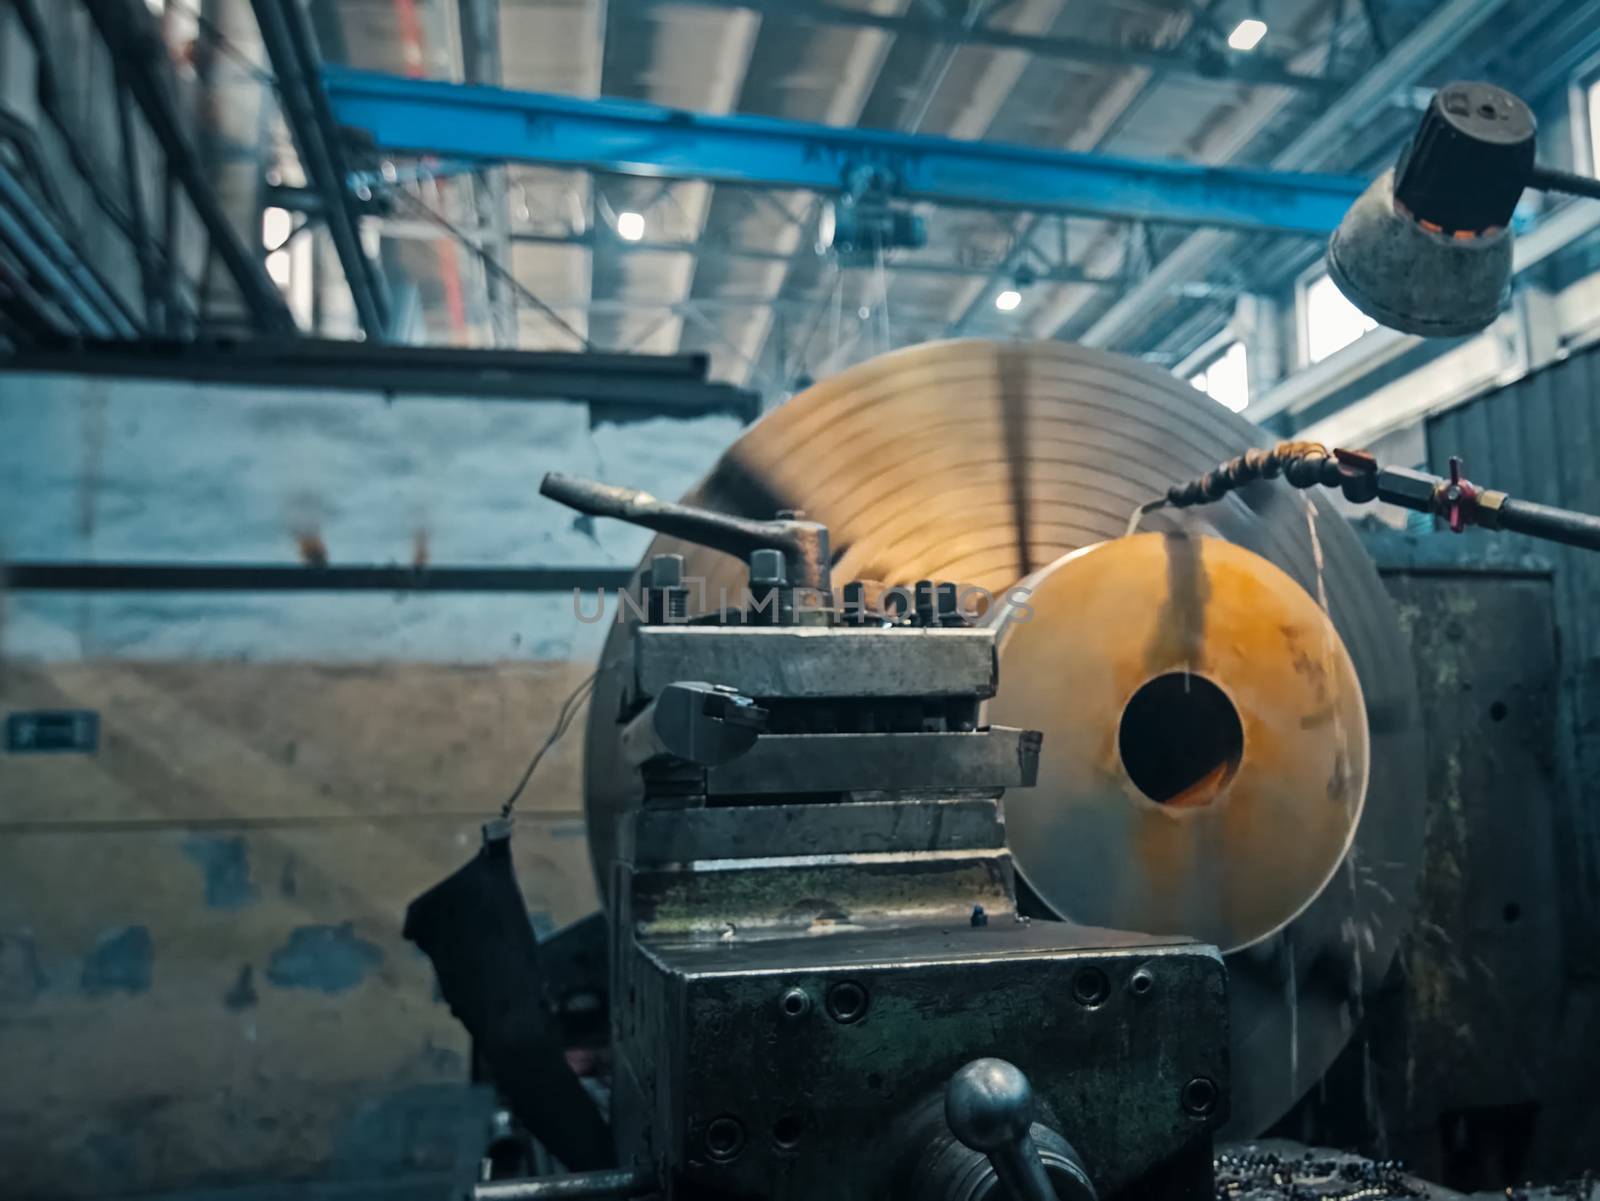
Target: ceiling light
[
  {"x": 1247, "y": 33},
  {"x": 276, "y": 226},
  {"x": 1008, "y": 300},
  {"x": 630, "y": 226}
]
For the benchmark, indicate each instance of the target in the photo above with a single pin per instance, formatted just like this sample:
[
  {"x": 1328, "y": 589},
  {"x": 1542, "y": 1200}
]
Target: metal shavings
[{"x": 1252, "y": 1175}]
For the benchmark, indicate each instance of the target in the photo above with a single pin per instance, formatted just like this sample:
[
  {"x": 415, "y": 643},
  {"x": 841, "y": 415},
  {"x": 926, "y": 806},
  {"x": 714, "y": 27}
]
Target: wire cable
[
  {"x": 233, "y": 51},
  {"x": 569, "y": 710},
  {"x": 490, "y": 264},
  {"x": 224, "y": 43}
]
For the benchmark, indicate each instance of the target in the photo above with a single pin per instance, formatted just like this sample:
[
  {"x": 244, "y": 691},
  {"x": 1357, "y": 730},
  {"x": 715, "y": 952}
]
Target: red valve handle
[{"x": 1459, "y": 498}]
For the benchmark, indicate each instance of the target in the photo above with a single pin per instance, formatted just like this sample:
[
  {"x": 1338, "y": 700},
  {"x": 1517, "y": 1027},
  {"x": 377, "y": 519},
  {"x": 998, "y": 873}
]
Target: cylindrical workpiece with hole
[{"x": 1215, "y": 720}]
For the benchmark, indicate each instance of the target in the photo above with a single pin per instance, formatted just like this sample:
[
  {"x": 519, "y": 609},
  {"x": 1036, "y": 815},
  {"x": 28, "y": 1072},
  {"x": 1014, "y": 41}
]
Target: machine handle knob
[{"x": 989, "y": 1107}]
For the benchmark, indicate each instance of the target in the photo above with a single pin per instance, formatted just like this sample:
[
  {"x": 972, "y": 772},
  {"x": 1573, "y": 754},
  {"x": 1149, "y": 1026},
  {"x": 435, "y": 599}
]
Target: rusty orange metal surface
[{"x": 1256, "y": 831}]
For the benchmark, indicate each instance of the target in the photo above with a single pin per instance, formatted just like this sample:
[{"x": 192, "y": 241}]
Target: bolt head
[
  {"x": 666, "y": 571},
  {"x": 767, "y": 566}
]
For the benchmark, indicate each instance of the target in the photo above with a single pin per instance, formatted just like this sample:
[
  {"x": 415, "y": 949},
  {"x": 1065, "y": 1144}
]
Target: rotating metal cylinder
[
  {"x": 984, "y": 463},
  {"x": 1213, "y": 720}
]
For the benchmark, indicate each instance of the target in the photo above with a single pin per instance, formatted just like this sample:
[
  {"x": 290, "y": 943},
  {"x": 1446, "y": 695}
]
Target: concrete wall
[
  {"x": 202, "y": 982},
  {"x": 112, "y": 469}
]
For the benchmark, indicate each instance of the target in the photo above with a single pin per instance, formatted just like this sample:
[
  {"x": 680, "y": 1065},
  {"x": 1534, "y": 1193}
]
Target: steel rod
[
  {"x": 41, "y": 576},
  {"x": 1550, "y": 523}
]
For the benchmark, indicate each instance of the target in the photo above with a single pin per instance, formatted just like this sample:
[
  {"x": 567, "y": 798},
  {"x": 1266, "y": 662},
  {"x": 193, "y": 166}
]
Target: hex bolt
[
  {"x": 1199, "y": 1097},
  {"x": 855, "y": 604},
  {"x": 767, "y": 568},
  {"x": 769, "y": 579},
  {"x": 1090, "y": 987},
  {"x": 847, "y": 1002},
  {"x": 724, "y": 1138},
  {"x": 925, "y": 603},
  {"x": 665, "y": 596},
  {"x": 666, "y": 571},
  {"x": 947, "y": 601},
  {"x": 795, "y": 1003}
]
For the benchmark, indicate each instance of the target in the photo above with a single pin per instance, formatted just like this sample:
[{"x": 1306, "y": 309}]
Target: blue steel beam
[
  {"x": 286, "y": 33},
  {"x": 630, "y": 138}
]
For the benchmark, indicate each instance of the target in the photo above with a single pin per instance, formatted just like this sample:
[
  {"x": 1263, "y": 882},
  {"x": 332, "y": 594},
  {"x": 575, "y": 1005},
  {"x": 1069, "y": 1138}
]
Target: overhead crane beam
[{"x": 630, "y": 138}]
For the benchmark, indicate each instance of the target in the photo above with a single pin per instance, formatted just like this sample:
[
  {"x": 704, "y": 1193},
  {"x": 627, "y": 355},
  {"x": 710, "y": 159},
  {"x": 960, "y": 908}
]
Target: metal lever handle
[
  {"x": 804, "y": 543},
  {"x": 989, "y": 1107}
]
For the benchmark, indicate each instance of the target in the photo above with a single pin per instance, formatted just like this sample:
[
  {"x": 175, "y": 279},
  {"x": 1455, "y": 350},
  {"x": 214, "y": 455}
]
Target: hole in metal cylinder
[{"x": 1180, "y": 739}]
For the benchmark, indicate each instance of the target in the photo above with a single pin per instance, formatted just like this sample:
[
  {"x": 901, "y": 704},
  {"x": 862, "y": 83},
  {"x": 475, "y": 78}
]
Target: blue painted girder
[{"x": 631, "y": 138}]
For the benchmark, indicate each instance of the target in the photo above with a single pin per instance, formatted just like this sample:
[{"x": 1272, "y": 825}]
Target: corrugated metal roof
[{"x": 785, "y": 311}]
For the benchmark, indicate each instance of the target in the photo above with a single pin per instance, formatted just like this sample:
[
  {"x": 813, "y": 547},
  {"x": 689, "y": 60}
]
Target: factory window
[
  {"x": 1329, "y": 320},
  {"x": 288, "y": 262},
  {"x": 276, "y": 226},
  {"x": 1226, "y": 379},
  {"x": 1593, "y": 92}
]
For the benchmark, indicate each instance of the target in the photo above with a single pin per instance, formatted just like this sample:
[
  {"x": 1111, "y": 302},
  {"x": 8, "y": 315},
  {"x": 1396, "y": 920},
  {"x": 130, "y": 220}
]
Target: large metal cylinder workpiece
[{"x": 1231, "y": 745}]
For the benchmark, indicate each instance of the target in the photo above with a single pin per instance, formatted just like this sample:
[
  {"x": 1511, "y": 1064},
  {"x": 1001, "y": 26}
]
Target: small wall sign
[{"x": 57, "y": 731}]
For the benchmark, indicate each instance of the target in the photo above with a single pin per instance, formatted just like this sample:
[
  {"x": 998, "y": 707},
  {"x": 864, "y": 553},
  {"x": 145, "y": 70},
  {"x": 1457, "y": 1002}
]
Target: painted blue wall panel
[{"x": 95, "y": 468}]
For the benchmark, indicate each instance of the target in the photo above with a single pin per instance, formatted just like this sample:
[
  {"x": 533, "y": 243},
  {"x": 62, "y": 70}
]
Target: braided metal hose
[{"x": 1302, "y": 464}]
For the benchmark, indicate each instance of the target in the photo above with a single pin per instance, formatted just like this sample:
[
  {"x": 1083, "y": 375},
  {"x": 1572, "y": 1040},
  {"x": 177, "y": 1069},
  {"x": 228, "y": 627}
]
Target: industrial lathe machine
[
  {"x": 952, "y": 837},
  {"x": 1006, "y": 778},
  {"x": 821, "y": 979}
]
